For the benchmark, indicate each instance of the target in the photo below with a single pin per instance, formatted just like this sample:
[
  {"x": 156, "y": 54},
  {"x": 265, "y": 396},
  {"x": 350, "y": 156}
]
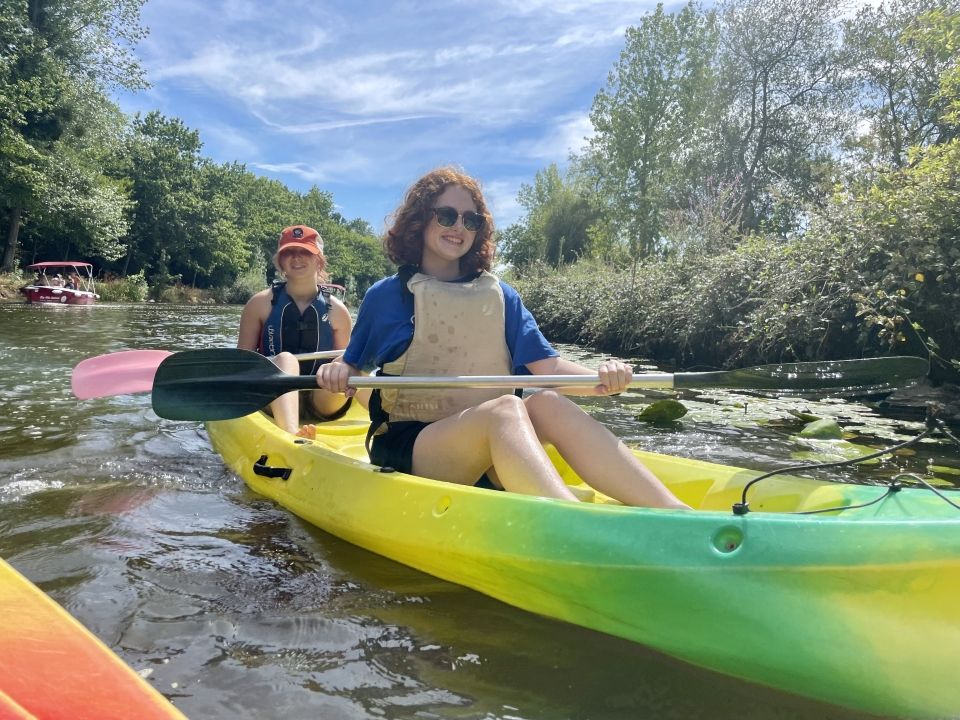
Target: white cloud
[
  {"x": 336, "y": 124},
  {"x": 585, "y": 11},
  {"x": 377, "y": 84},
  {"x": 301, "y": 170},
  {"x": 337, "y": 166},
  {"x": 501, "y": 196},
  {"x": 590, "y": 37},
  {"x": 567, "y": 135},
  {"x": 315, "y": 93},
  {"x": 383, "y": 76}
]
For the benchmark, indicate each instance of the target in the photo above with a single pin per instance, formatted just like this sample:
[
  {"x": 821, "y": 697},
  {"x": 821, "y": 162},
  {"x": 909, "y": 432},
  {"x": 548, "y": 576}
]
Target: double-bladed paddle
[
  {"x": 132, "y": 371},
  {"x": 119, "y": 373},
  {"x": 222, "y": 384}
]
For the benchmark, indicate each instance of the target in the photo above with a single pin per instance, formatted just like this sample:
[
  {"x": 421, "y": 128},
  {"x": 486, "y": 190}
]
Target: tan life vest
[{"x": 459, "y": 329}]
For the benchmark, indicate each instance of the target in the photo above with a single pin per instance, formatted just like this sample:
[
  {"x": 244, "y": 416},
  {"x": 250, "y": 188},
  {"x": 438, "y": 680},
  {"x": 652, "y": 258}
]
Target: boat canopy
[{"x": 65, "y": 263}]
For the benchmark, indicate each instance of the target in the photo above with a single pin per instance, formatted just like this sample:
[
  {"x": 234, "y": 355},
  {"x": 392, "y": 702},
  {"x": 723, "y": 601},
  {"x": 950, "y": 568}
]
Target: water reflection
[{"x": 234, "y": 608}]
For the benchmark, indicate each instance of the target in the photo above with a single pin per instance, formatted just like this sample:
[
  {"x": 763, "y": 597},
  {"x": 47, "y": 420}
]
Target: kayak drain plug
[{"x": 728, "y": 539}]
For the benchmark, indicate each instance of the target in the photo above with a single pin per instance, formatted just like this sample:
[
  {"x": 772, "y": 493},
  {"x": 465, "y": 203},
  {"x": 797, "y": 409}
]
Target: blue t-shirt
[{"x": 384, "y": 328}]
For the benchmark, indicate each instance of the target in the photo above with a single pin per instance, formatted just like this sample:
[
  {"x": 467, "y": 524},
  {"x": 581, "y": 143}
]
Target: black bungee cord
[{"x": 933, "y": 422}]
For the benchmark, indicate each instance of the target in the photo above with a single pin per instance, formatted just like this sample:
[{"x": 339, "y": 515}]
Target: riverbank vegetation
[
  {"x": 765, "y": 180},
  {"x": 135, "y": 196}
]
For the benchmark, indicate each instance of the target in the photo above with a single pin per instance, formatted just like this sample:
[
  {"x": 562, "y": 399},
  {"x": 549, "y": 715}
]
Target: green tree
[
  {"x": 656, "y": 103},
  {"x": 898, "y": 75},
  {"x": 58, "y": 59},
  {"x": 264, "y": 207},
  {"x": 781, "y": 85},
  {"x": 356, "y": 261},
  {"x": 908, "y": 220},
  {"x": 162, "y": 162},
  {"x": 556, "y": 228},
  {"x": 80, "y": 211},
  {"x": 219, "y": 249}
]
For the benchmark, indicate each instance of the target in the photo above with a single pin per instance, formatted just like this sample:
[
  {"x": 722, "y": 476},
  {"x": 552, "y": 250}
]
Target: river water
[{"x": 234, "y": 608}]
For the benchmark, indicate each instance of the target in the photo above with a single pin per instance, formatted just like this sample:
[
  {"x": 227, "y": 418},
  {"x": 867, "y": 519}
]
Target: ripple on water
[{"x": 16, "y": 488}]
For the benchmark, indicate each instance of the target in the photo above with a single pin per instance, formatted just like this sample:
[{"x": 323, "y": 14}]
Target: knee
[
  {"x": 547, "y": 402},
  {"x": 507, "y": 408},
  {"x": 551, "y": 413},
  {"x": 287, "y": 362}
]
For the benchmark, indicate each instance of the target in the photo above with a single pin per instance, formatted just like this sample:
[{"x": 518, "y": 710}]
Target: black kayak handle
[{"x": 260, "y": 467}]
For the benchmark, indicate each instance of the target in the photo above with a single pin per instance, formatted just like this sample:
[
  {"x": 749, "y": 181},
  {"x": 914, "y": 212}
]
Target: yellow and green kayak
[
  {"x": 53, "y": 668},
  {"x": 858, "y": 607}
]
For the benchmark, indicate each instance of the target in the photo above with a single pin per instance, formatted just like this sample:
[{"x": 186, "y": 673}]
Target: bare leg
[
  {"x": 327, "y": 403},
  {"x": 286, "y": 408},
  {"x": 595, "y": 453},
  {"x": 496, "y": 433}
]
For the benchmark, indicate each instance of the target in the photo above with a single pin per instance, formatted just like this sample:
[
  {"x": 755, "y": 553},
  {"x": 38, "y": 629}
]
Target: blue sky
[{"x": 361, "y": 98}]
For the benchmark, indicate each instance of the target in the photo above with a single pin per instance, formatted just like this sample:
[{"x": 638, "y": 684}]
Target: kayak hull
[
  {"x": 856, "y": 608},
  {"x": 52, "y": 667}
]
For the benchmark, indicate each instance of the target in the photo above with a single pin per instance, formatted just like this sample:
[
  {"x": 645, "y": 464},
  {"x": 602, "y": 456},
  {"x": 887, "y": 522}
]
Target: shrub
[
  {"x": 252, "y": 281},
  {"x": 764, "y": 300},
  {"x": 10, "y": 284},
  {"x": 183, "y": 295},
  {"x": 132, "y": 288}
]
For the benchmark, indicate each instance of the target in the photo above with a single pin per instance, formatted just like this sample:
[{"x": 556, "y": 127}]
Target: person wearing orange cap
[{"x": 298, "y": 315}]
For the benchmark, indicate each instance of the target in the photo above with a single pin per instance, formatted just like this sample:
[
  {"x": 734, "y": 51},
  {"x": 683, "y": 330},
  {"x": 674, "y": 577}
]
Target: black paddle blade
[
  {"x": 870, "y": 376},
  {"x": 219, "y": 384}
]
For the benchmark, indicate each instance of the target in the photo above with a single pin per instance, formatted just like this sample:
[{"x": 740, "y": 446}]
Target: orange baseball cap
[{"x": 302, "y": 237}]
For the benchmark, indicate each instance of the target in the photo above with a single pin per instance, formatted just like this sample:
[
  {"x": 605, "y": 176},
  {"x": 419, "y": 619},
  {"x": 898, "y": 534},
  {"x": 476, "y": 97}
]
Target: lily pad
[
  {"x": 944, "y": 469},
  {"x": 939, "y": 482},
  {"x": 823, "y": 429},
  {"x": 805, "y": 416},
  {"x": 833, "y": 451},
  {"x": 662, "y": 412}
]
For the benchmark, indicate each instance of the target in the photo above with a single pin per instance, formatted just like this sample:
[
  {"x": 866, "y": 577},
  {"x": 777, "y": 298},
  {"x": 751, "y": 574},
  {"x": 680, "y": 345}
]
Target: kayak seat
[{"x": 355, "y": 450}]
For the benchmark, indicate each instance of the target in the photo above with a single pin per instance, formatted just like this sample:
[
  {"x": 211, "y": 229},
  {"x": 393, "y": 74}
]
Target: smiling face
[
  {"x": 444, "y": 246},
  {"x": 296, "y": 262}
]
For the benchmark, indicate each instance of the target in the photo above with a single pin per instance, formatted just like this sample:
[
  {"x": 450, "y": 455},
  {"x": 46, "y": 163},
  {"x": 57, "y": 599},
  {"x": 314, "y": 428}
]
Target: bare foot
[{"x": 307, "y": 431}]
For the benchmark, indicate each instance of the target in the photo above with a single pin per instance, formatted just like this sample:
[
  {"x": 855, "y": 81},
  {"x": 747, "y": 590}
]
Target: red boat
[{"x": 61, "y": 283}]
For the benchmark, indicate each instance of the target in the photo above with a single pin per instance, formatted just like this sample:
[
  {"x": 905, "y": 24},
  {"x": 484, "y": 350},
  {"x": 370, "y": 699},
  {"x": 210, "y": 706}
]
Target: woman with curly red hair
[{"x": 445, "y": 314}]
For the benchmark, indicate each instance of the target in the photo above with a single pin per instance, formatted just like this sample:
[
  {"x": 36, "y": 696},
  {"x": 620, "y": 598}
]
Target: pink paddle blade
[{"x": 119, "y": 373}]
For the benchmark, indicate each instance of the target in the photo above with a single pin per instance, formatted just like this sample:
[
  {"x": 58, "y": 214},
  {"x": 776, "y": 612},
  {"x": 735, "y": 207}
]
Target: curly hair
[{"x": 403, "y": 241}]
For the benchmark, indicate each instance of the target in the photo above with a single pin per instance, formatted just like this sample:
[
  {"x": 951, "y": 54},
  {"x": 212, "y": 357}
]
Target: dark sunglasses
[{"x": 447, "y": 216}]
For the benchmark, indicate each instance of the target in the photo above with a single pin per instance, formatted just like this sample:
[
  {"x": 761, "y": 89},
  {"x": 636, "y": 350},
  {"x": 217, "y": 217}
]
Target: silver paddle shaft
[{"x": 640, "y": 380}]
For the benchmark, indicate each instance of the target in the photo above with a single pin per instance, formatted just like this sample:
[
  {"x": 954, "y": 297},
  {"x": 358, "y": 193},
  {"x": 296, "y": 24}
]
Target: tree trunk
[{"x": 10, "y": 253}]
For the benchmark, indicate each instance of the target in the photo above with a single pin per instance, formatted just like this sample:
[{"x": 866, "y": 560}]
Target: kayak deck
[
  {"x": 702, "y": 485},
  {"x": 854, "y": 606},
  {"x": 52, "y": 667}
]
